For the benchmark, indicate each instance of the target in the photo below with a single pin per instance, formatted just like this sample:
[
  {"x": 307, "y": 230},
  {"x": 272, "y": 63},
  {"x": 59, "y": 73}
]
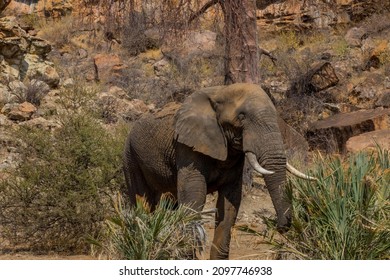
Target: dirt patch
[
  {"x": 256, "y": 202},
  {"x": 30, "y": 256}
]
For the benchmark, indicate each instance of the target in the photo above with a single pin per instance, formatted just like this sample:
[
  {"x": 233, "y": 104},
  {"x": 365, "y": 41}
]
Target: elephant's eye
[{"x": 241, "y": 116}]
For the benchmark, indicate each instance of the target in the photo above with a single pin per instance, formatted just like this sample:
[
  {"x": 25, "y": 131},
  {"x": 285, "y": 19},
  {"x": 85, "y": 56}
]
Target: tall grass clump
[
  {"x": 165, "y": 233},
  {"x": 345, "y": 215}
]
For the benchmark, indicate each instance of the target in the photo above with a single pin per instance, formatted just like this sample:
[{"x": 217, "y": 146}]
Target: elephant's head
[{"x": 220, "y": 120}]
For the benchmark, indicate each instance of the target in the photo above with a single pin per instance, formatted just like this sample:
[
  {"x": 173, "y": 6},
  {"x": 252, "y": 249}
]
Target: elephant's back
[{"x": 155, "y": 132}]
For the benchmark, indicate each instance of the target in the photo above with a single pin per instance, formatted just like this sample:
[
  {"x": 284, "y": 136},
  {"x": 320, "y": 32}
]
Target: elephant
[{"x": 200, "y": 147}]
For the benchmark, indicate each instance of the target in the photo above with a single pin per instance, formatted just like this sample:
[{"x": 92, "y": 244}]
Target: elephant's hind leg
[
  {"x": 136, "y": 181},
  {"x": 139, "y": 188}
]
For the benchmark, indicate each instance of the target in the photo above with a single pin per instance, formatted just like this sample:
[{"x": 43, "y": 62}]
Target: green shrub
[
  {"x": 341, "y": 48},
  {"x": 345, "y": 215},
  {"x": 167, "y": 232},
  {"x": 60, "y": 193},
  {"x": 290, "y": 40}
]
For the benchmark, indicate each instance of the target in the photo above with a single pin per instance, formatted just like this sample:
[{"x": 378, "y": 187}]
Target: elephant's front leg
[{"x": 228, "y": 203}]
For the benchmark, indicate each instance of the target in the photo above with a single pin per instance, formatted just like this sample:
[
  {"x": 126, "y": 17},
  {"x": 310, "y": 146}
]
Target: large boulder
[
  {"x": 40, "y": 123},
  {"x": 331, "y": 134},
  {"x": 369, "y": 141},
  {"x": 354, "y": 36}
]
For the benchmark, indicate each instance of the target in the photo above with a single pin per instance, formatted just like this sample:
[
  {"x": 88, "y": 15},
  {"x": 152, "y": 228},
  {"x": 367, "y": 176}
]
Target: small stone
[
  {"x": 40, "y": 123},
  {"x": 68, "y": 83}
]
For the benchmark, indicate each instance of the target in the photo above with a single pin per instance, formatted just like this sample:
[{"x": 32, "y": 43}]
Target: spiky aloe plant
[
  {"x": 167, "y": 232},
  {"x": 345, "y": 215}
]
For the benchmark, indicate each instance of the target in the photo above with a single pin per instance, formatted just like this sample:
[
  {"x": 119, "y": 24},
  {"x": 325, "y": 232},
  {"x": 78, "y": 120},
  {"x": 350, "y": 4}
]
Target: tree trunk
[
  {"x": 241, "y": 50},
  {"x": 241, "y": 46},
  {"x": 4, "y": 4}
]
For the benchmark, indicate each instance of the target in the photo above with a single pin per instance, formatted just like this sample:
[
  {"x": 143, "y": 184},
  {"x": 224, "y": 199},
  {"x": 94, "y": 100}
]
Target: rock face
[
  {"x": 313, "y": 13},
  {"x": 331, "y": 134},
  {"x": 369, "y": 140},
  {"x": 368, "y": 92},
  {"x": 46, "y": 8},
  {"x": 22, "y": 57},
  {"x": 384, "y": 101},
  {"x": 108, "y": 67}
]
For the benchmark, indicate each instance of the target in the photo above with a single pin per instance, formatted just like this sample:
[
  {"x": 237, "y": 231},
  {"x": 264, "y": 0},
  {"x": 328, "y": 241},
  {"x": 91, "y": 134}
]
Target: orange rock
[
  {"x": 369, "y": 140},
  {"x": 107, "y": 67},
  {"x": 20, "y": 112},
  {"x": 27, "y": 107},
  {"x": 381, "y": 47}
]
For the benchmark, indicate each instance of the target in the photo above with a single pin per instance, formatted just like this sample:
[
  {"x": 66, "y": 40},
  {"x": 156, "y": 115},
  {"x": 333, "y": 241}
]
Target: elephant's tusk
[
  {"x": 255, "y": 164},
  {"x": 298, "y": 173}
]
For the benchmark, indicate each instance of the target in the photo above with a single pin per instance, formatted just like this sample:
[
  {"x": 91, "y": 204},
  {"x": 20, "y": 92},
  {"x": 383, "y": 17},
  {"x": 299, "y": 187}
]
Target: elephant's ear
[{"x": 196, "y": 125}]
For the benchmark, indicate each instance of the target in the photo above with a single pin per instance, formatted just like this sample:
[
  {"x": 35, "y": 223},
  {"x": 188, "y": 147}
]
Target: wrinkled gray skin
[{"x": 199, "y": 147}]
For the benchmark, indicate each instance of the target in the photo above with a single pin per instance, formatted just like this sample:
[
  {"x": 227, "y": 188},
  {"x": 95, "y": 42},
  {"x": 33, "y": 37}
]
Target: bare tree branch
[
  {"x": 4, "y": 4},
  {"x": 202, "y": 10},
  {"x": 267, "y": 53}
]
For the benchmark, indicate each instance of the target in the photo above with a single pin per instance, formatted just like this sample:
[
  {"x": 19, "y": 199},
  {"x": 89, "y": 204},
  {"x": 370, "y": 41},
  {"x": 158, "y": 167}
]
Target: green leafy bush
[
  {"x": 345, "y": 215},
  {"x": 60, "y": 193},
  {"x": 167, "y": 232}
]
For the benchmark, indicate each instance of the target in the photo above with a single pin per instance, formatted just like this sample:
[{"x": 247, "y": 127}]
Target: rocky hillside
[
  {"x": 329, "y": 76},
  {"x": 71, "y": 84}
]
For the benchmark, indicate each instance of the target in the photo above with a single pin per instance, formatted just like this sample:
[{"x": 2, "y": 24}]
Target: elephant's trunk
[
  {"x": 276, "y": 187},
  {"x": 271, "y": 157},
  {"x": 276, "y": 161}
]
